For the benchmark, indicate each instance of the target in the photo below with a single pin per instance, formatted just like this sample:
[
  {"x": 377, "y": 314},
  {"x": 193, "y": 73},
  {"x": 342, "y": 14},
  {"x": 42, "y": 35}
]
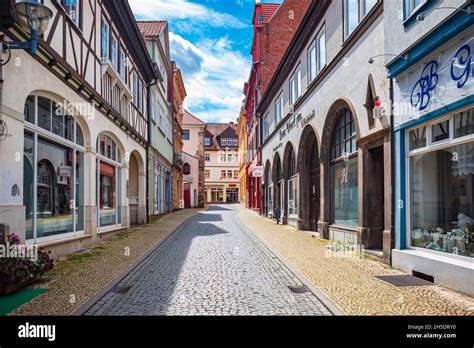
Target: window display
[
  {"x": 53, "y": 171},
  {"x": 442, "y": 188},
  {"x": 442, "y": 192},
  {"x": 344, "y": 173},
  {"x": 108, "y": 182}
]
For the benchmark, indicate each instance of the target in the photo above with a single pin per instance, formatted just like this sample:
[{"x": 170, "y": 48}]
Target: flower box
[{"x": 9, "y": 288}]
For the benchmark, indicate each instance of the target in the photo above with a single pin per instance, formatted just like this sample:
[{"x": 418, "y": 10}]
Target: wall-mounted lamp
[
  {"x": 404, "y": 57},
  {"x": 34, "y": 18},
  {"x": 469, "y": 10}
]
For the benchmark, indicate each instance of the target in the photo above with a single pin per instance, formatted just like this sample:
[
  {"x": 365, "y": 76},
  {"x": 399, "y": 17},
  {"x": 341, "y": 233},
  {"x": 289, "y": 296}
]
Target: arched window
[
  {"x": 344, "y": 176},
  {"x": 54, "y": 152},
  {"x": 291, "y": 164},
  {"x": 186, "y": 169},
  {"x": 108, "y": 181},
  {"x": 293, "y": 184}
]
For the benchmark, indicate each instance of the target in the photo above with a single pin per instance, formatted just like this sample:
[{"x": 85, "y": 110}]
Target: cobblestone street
[{"x": 211, "y": 265}]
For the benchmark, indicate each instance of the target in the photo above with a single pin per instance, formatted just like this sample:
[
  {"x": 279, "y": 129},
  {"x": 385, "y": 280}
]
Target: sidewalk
[
  {"x": 80, "y": 276},
  {"x": 350, "y": 282}
]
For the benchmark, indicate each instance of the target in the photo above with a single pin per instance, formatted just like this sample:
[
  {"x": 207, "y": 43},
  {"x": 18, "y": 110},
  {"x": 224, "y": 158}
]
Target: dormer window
[
  {"x": 229, "y": 142},
  {"x": 207, "y": 141},
  {"x": 223, "y": 142}
]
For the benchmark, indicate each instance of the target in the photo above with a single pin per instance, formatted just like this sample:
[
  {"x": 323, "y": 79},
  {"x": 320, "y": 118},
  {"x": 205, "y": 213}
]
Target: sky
[{"x": 210, "y": 41}]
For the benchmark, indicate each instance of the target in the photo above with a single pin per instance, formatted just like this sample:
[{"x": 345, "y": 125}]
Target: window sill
[{"x": 408, "y": 21}]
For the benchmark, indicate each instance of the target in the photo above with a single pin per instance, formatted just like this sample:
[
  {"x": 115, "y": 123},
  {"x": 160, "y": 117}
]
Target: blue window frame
[{"x": 185, "y": 134}]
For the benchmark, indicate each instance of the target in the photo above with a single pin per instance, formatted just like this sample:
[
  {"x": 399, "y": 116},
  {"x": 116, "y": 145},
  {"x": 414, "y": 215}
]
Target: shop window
[
  {"x": 30, "y": 109},
  {"x": 440, "y": 131},
  {"x": 442, "y": 200},
  {"x": 292, "y": 184},
  {"x": 344, "y": 173},
  {"x": 108, "y": 182},
  {"x": 417, "y": 138},
  {"x": 57, "y": 211},
  {"x": 464, "y": 123}
]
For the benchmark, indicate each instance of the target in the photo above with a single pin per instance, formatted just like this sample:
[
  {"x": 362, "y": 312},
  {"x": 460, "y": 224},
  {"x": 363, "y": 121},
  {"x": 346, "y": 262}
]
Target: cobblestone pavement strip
[
  {"x": 350, "y": 283},
  {"x": 81, "y": 276},
  {"x": 210, "y": 266}
]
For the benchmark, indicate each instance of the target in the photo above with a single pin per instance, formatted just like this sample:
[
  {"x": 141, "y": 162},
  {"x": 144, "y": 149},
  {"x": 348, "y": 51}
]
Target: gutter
[{"x": 148, "y": 118}]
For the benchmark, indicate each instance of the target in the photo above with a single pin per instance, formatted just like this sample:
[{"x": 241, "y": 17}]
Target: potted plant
[{"x": 18, "y": 271}]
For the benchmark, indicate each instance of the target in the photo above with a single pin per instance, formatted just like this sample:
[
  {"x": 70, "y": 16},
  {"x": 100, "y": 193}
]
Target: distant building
[
  {"x": 242, "y": 134},
  {"x": 179, "y": 93},
  {"x": 193, "y": 149},
  {"x": 160, "y": 151},
  {"x": 221, "y": 146}
]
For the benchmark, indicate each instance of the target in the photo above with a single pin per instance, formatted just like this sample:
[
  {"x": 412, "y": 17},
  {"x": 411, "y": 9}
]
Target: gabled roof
[
  {"x": 151, "y": 28},
  {"x": 189, "y": 118},
  {"x": 216, "y": 129}
]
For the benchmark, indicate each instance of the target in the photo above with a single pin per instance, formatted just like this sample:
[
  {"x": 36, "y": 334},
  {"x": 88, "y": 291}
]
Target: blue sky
[{"x": 210, "y": 41}]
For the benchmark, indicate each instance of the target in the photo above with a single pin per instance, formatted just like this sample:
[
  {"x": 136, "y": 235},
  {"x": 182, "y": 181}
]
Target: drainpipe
[
  {"x": 392, "y": 168},
  {"x": 148, "y": 119}
]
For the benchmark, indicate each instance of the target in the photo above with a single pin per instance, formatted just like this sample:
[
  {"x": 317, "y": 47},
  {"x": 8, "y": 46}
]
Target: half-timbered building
[{"x": 75, "y": 114}]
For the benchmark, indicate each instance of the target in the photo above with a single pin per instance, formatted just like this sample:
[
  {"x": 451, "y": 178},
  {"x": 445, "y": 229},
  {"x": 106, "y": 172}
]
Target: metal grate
[
  {"x": 120, "y": 289},
  {"x": 298, "y": 289},
  {"x": 403, "y": 280}
]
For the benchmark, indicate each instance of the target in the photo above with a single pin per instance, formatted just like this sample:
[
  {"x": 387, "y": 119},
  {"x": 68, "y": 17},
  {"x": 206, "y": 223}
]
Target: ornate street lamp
[{"x": 34, "y": 18}]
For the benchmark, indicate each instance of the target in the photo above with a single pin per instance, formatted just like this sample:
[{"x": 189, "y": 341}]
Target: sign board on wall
[
  {"x": 440, "y": 79},
  {"x": 257, "y": 172}
]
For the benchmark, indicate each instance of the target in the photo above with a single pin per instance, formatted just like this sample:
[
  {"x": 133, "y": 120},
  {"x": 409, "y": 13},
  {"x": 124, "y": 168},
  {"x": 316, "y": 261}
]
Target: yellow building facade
[{"x": 242, "y": 133}]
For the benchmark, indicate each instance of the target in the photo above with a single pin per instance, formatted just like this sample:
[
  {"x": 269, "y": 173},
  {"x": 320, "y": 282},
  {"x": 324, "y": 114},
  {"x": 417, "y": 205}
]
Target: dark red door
[
  {"x": 187, "y": 198},
  {"x": 314, "y": 189}
]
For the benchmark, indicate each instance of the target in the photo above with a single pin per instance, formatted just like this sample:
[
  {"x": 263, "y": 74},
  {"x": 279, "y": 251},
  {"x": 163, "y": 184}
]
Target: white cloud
[
  {"x": 214, "y": 91},
  {"x": 188, "y": 13}
]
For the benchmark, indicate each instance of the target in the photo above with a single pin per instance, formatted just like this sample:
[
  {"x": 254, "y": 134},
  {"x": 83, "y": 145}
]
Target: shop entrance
[
  {"x": 232, "y": 195},
  {"x": 314, "y": 189},
  {"x": 187, "y": 196},
  {"x": 308, "y": 168},
  {"x": 375, "y": 201}
]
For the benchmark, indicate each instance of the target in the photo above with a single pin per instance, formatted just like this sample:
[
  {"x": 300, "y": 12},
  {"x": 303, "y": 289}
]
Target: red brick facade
[{"x": 274, "y": 27}]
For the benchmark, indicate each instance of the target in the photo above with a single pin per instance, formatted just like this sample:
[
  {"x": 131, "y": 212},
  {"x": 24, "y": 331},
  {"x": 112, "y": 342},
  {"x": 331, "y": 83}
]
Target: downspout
[
  {"x": 148, "y": 118},
  {"x": 392, "y": 168}
]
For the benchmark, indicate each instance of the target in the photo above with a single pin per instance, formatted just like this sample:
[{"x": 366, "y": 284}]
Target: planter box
[{"x": 5, "y": 290}]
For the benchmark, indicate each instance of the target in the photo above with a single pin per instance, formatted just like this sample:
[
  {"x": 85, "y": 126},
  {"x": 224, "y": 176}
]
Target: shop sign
[
  {"x": 296, "y": 121},
  {"x": 257, "y": 172},
  {"x": 442, "y": 79},
  {"x": 275, "y": 148},
  {"x": 65, "y": 171}
]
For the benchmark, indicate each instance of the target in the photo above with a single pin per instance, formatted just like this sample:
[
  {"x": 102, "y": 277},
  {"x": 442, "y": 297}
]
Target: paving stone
[
  {"x": 201, "y": 261},
  {"x": 350, "y": 282}
]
